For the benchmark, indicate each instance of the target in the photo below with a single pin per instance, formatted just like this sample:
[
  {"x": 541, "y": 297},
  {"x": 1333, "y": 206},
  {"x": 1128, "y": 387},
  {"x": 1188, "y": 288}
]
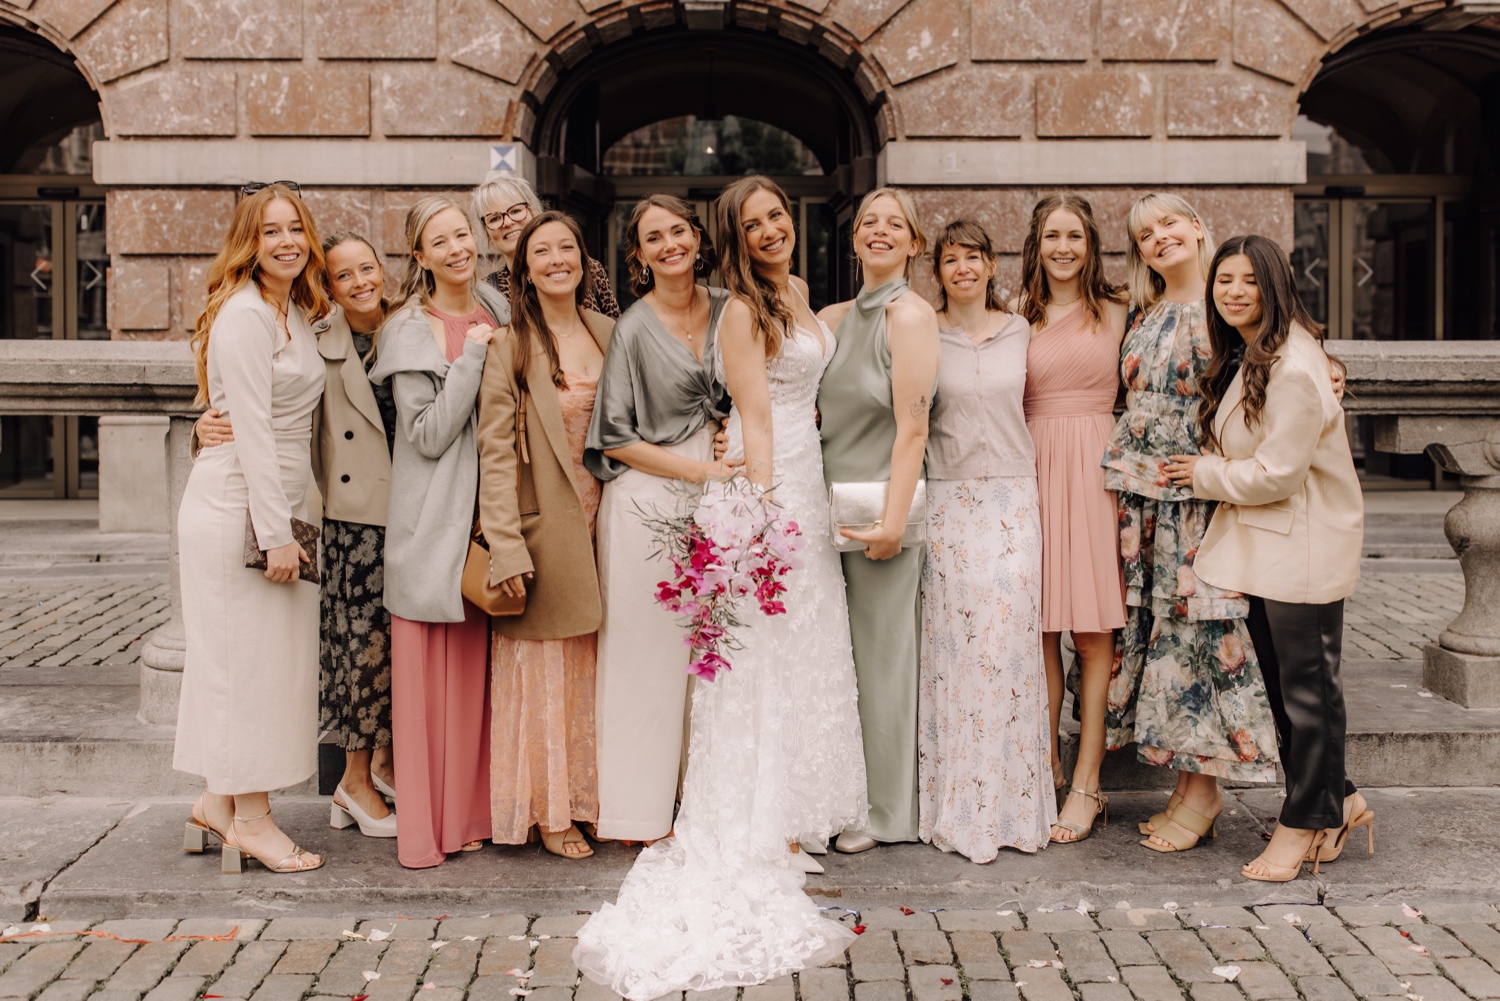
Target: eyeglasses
[
  {"x": 519, "y": 212},
  {"x": 255, "y": 186}
]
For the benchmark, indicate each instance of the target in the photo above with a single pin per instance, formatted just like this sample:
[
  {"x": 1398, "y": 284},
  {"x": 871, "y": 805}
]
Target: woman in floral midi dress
[{"x": 1187, "y": 687}]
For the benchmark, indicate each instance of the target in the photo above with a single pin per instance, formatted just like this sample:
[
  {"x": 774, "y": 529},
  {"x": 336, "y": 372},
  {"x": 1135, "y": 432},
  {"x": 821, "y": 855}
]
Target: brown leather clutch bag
[
  {"x": 304, "y": 533},
  {"x": 476, "y": 586}
]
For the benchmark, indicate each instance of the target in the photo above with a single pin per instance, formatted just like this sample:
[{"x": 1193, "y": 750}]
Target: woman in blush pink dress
[{"x": 1072, "y": 378}]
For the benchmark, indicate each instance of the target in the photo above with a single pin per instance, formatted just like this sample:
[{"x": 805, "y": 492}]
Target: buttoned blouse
[{"x": 977, "y": 427}]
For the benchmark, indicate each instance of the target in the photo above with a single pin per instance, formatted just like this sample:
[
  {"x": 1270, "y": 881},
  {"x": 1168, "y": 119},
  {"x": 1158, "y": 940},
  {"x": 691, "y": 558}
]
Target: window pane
[
  {"x": 1310, "y": 256},
  {"x": 26, "y": 277},
  {"x": 92, "y": 272},
  {"x": 1392, "y": 261}
]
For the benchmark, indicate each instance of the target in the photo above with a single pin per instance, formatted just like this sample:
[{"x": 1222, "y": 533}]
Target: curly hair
[{"x": 1093, "y": 287}]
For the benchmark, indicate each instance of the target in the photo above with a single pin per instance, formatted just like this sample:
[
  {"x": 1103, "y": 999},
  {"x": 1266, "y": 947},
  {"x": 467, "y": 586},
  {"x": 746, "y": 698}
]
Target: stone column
[{"x": 163, "y": 652}]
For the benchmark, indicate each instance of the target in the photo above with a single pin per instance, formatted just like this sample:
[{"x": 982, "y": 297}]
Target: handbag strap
[{"x": 521, "y": 448}]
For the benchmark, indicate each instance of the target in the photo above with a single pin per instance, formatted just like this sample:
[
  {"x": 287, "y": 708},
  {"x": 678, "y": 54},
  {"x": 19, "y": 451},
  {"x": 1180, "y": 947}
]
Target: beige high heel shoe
[
  {"x": 1159, "y": 820},
  {"x": 1185, "y": 828},
  {"x": 1332, "y": 847},
  {"x": 1082, "y": 831},
  {"x": 199, "y": 833},
  {"x": 1284, "y": 873},
  {"x": 234, "y": 856}
]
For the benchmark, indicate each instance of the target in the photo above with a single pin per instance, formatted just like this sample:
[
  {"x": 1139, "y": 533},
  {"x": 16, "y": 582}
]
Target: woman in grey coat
[{"x": 432, "y": 351}]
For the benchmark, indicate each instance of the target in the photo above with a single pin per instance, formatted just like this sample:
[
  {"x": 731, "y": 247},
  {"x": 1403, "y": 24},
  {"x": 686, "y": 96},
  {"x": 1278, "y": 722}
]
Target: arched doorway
[
  {"x": 684, "y": 111},
  {"x": 53, "y": 265}
]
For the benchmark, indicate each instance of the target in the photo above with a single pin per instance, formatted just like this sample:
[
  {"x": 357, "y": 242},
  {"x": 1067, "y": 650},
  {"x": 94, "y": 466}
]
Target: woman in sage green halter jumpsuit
[{"x": 874, "y": 401}]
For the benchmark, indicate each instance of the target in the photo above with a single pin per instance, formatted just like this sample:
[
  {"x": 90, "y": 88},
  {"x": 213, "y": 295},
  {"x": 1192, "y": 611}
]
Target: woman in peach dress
[
  {"x": 1072, "y": 378},
  {"x": 537, "y": 509}
]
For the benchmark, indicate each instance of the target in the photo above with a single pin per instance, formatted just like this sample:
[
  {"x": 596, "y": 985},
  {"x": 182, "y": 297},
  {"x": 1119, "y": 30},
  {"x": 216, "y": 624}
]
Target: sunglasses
[{"x": 255, "y": 186}]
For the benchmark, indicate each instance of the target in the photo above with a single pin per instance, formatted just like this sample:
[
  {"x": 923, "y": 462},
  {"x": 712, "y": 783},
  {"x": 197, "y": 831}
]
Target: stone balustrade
[{"x": 1442, "y": 398}]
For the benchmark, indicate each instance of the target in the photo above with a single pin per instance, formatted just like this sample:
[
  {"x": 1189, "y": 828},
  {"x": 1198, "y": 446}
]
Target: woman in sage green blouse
[
  {"x": 656, "y": 411},
  {"x": 874, "y": 400}
]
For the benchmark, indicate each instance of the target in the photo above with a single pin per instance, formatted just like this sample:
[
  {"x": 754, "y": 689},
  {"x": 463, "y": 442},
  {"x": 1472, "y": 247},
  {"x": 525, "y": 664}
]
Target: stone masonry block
[
  {"x": 880, "y": 990},
  {"x": 894, "y": 919},
  {"x": 968, "y": 102},
  {"x": 1023, "y": 30},
  {"x": 1216, "y": 992},
  {"x": 199, "y": 220},
  {"x": 1481, "y": 940},
  {"x": 501, "y": 954},
  {"x": 1449, "y": 915},
  {"x": 1084, "y": 957},
  {"x": 205, "y": 959},
  {"x": 1138, "y": 30},
  {"x": 1055, "y": 920},
  {"x": 66, "y": 990},
  {"x": 1327, "y": 17},
  {"x": 498, "y": 924},
  {"x": 1200, "y": 917},
  {"x": 1333, "y": 939},
  {"x": 552, "y": 964},
  {"x": 176, "y": 989},
  {"x": 923, "y": 37},
  {"x": 243, "y": 929},
  {"x": 453, "y": 965},
  {"x": 395, "y": 988},
  {"x": 1105, "y": 992},
  {"x": 1127, "y": 948},
  {"x": 565, "y": 925},
  {"x": 1231, "y": 944},
  {"x": 819, "y": 984},
  {"x": 1213, "y": 103},
  {"x": 1023, "y": 947},
  {"x": 283, "y": 987},
  {"x": 1376, "y": 914},
  {"x": 251, "y": 964},
  {"x": 1150, "y": 983},
  {"x": 1367, "y": 976},
  {"x": 394, "y": 29},
  {"x": 306, "y": 956},
  {"x": 978, "y": 919},
  {"x": 401, "y": 929},
  {"x": 407, "y": 108},
  {"x": 934, "y": 983},
  {"x": 1323, "y": 989},
  {"x": 112, "y": 993},
  {"x": 238, "y": 29},
  {"x": 545, "y": 18},
  {"x": 979, "y": 955},
  {"x": 1264, "y": 982},
  {"x": 1185, "y": 955},
  {"x": 1045, "y": 984},
  {"x": 993, "y": 990},
  {"x": 1293, "y": 952},
  {"x": 99, "y": 959},
  {"x": 1138, "y": 919},
  {"x": 1095, "y": 104},
  {"x": 127, "y": 38},
  {"x": 1475, "y": 976},
  {"x": 873, "y": 956},
  {"x": 1270, "y": 40},
  {"x": 344, "y": 973},
  {"x": 924, "y": 945},
  {"x": 189, "y": 294},
  {"x": 69, "y": 17},
  {"x": 480, "y": 34},
  {"x": 324, "y": 100},
  {"x": 42, "y": 964},
  {"x": 180, "y": 101},
  {"x": 1436, "y": 941},
  {"x": 147, "y": 965},
  {"x": 1395, "y": 951},
  {"x": 862, "y": 17},
  {"x": 498, "y": 988},
  {"x": 405, "y": 957}
]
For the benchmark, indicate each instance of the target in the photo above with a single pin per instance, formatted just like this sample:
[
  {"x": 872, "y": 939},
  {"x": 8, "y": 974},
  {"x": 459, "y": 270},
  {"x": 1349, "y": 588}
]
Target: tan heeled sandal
[
  {"x": 234, "y": 856},
  {"x": 199, "y": 832},
  {"x": 1159, "y": 820},
  {"x": 1185, "y": 828},
  {"x": 1332, "y": 847},
  {"x": 1082, "y": 831},
  {"x": 557, "y": 841},
  {"x": 1284, "y": 873}
]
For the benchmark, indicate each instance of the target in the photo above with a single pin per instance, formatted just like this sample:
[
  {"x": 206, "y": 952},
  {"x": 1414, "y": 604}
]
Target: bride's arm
[{"x": 744, "y": 353}]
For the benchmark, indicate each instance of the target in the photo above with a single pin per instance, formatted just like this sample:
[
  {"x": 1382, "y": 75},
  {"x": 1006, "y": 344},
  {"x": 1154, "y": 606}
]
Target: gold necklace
[
  {"x": 1070, "y": 302},
  {"x": 684, "y": 329}
]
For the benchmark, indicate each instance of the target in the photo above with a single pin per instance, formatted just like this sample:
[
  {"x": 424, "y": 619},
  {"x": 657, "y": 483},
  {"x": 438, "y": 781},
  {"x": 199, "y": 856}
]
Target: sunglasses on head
[{"x": 255, "y": 186}]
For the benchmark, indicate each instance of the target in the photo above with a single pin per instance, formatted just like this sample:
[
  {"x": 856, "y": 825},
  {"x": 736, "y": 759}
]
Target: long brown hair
[
  {"x": 238, "y": 264},
  {"x": 1093, "y": 287},
  {"x": 769, "y": 316},
  {"x": 967, "y": 234},
  {"x": 1280, "y": 308},
  {"x": 418, "y": 282},
  {"x": 527, "y": 324},
  {"x": 640, "y": 275}
]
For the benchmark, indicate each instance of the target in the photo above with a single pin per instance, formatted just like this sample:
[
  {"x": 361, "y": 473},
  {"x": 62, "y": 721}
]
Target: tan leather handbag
[{"x": 476, "y": 586}]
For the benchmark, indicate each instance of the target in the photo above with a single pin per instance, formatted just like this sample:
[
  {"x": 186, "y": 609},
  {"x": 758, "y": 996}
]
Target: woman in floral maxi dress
[{"x": 1187, "y": 688}]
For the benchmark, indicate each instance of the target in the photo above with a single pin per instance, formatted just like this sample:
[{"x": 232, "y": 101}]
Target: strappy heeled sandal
[
  {"x": 1333, "y": 846},
  {"x": 557, "y": 841},
  {"x": 1284, "y": 873},
  {"x": 1159, "y": 820},
  {"x": 1184, "y": 829},
  {"x": 234, "y": 856},
  {"x": 1082, "y": 831},
  {"x": 199, "y": 832}
]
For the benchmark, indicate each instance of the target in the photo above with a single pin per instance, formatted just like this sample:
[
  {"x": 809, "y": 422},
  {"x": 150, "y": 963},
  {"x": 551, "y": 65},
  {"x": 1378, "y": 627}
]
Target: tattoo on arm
[{"x": 920, "y": 406}]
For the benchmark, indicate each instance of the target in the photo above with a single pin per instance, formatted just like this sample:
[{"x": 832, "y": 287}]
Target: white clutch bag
[{"x": 859, "y": 506}]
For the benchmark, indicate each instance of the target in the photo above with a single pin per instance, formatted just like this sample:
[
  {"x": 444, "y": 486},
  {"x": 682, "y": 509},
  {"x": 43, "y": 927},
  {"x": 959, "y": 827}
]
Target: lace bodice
[{"x": 793, "y": 377}]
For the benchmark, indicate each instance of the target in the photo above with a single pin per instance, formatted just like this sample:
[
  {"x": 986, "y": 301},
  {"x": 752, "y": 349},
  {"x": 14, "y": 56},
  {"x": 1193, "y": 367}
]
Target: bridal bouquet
[{"x": 727, "y": 545}]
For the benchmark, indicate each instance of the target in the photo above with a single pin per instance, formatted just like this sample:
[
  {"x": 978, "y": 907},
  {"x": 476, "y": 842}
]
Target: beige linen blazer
[
  {"x": 530, "y": 510},
  {"x": 351, "y": 455},
  {"x": 1290, "y": 524}
]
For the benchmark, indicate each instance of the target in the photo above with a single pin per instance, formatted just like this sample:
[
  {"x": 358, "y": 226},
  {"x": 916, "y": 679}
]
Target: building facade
[{"x": 1362, "y": 134}]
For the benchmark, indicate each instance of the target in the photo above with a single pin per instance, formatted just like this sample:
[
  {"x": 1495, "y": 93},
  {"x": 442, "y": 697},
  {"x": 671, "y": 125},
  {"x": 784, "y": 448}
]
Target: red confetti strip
[
  {"x": 907, "y": 910},
  {"x": 360, "y": 997},
  {"x": 859, "y": 929},
  {"x": 946, "y": 982}
]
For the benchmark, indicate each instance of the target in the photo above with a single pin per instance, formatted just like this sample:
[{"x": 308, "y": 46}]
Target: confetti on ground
[
  {"x": 1410, "y": 911},
  {"x": 371, "y": 975},
  {"x": 379, "y": 935},
  {"x": 907, "y": 911},
  {"x": 1227, "y": 972},
  {"x": 438, "y": 945}
]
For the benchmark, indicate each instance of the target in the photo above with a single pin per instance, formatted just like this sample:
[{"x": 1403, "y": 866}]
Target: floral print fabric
[
  {"x": 983, "y": 746},
  {"x": 355, "y": 662},
  {"x": 1186, "y": 687}
]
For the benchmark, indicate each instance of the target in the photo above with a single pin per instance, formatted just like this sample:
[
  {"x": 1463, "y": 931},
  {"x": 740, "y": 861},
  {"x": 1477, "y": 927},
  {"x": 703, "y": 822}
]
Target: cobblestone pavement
[
  {"x": 103, "y": 620},
  {"x": 1117, "y": 953}
]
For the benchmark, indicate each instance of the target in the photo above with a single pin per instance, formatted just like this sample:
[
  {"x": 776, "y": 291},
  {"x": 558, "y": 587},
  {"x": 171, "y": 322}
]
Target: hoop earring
[{"x": 645, "y": 278}]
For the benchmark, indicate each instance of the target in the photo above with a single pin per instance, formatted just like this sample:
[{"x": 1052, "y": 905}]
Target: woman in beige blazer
[
  {"x": 537, "y": 505},
  {"x": 1287, "y": 532}
]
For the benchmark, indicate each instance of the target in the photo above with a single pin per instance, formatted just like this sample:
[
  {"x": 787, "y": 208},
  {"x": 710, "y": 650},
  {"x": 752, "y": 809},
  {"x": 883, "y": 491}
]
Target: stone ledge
[
  {"x": 1062, "y": 162},
  {"x": 381, "y": 163}
]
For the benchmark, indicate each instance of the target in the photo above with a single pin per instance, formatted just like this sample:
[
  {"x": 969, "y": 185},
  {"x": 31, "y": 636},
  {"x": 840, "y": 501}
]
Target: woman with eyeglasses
[{"x": 504, "y": 205}]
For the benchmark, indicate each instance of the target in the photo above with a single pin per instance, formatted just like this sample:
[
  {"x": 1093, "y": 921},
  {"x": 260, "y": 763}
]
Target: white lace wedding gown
[{"x": 774, "y": 756}]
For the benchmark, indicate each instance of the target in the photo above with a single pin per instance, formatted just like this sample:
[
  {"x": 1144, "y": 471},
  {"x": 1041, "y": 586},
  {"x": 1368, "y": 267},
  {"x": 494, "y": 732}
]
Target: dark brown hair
[
  {"x": 1280, "y": 308},
  {"x": 967, "y": 234},
  {"x": 640, "y": 275},
  {"x": 527, "y": 324},
  {"x": 1094, "y": 288},
  {"x": 769, "y": 316}
]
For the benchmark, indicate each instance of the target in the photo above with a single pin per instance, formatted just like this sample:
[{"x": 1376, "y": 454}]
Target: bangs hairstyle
[
  {"x": 237, "y": 265},
  {"x": 528, "y": 325},
  {"x": 640, "y": 275},
  {"x": 1146, "y": 286},
  {"x": 498, "y": 192},
  {"x": 913, "y": 221},
  {"x": 1093, "y": 287},
  {"x": 966, "y": 234},
  {"x": 1280, "y": 308},
  {"x": 418, "y": 281},
  {"x": 769, "y": 316}
]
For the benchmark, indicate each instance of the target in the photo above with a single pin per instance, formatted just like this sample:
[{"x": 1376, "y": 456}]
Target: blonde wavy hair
[
  {"x": 1146, "y": 286},
  {"x": 913, "y": 221},
  {"x": 418, "y": 282},
  {"x": 238, "y": 264}
]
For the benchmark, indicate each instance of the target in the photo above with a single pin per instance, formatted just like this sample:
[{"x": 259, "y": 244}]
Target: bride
[{"x": 775, "y": 756}]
